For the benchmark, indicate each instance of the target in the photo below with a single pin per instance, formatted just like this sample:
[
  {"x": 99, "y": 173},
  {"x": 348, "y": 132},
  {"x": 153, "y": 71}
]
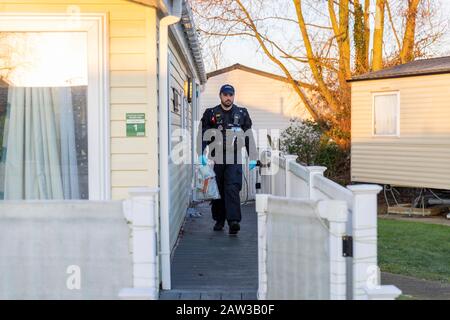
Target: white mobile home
[
  {"x": 401, "y": 125},
  {"x": 90, "y": 94}
]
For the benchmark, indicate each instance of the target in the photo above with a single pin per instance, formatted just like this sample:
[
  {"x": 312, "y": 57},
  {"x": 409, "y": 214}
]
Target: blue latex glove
[
  {"x": 203, "y": 160},
  {"x": 252, "y": 164}
]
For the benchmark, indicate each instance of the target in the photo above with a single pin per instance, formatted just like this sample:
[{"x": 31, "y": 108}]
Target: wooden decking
[{"x": 212, "y": 265}]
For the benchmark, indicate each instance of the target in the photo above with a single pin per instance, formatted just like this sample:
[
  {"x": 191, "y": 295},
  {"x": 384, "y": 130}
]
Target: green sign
[{"x": 135, "y": 124}]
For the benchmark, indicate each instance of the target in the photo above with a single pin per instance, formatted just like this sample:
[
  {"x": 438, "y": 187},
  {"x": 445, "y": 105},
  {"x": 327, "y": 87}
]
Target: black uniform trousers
[{"x": 229, "y": 181}]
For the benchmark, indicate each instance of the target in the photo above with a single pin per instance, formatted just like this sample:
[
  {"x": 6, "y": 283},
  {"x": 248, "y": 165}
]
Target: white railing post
[
  {"x": 261, "y": 209},
  {"x": 364, "y": 222},
  {"x": 337, "y": 214},
  {"x": 274, "y": 168},
  {"x": 289, "y": 158},
  {"x": 265, "y": 170},
  {"x": 140, "y": 211},
  {"x": 386, "y": 292},
  {"x": 312, "y": 172}
]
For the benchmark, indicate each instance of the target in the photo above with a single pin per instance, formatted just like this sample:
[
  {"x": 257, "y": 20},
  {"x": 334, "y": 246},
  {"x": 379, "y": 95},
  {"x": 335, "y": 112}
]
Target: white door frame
[{"x": 95, "y": 25}]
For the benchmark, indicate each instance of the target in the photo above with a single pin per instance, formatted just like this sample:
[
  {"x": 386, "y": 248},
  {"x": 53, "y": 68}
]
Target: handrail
[
  {"x": 333, "y": 190},
  {"x": 299, "y": 170}
]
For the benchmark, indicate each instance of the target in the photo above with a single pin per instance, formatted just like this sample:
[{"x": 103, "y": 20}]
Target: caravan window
[
  {"x": 386, "y": 115},
  {"x": 43, "y": 123},
  {"x": 53, "y": 118}
]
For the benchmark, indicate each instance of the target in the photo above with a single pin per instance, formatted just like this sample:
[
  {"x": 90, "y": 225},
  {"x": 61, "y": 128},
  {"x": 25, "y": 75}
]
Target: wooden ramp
[{"x": 211, "y": 265}]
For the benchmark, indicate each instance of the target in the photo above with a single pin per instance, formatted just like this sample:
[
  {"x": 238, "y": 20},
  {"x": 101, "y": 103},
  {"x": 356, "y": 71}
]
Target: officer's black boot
[
  {"x": 233, "y": 227},
  {"x": 219, "y": 226}
]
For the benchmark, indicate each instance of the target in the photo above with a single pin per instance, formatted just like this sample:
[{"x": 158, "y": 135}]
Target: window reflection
[{"x": 43, "y": 116}]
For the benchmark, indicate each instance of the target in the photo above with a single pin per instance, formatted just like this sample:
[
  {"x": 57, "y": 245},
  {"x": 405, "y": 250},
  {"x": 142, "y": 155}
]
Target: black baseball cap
[{"x": 228, "y": 88}]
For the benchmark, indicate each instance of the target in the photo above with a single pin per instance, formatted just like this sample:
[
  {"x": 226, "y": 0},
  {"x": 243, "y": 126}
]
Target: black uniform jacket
[{"x": 232, "y": 123}]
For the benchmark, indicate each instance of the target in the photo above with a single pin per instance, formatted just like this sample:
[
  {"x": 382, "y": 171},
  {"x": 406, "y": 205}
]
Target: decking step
[{"x": 207, "y": 295}]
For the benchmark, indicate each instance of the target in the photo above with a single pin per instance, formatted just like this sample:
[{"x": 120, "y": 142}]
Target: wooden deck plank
[
  {"x": 169, "y": 295},
  {"x": 232, "y": 296},
  {"x": 210, "y": 296},
  {"x": 190, "y": 296},
  {"x": 212, "y": 261},
  {"x": 249, "y": 296}
]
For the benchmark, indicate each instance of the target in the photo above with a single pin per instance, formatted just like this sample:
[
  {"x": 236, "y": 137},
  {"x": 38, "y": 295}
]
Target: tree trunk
[
  {"x": 367, "y": 31},
  {"x": 323, "y": 88},
  {"x": 407, "y": 53},
  {"x": 339, "y": 119},
  {"x": 359, "y": 36},
  {"x": 377, "y": 62},
  {"x": 341, "y": 34},
  {"x": 344, "y": 37}
]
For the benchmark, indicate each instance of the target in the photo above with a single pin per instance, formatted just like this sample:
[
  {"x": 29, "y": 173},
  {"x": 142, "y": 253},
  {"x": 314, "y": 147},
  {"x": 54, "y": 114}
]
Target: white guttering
[
  {"x": 186, "y": 37},
  {"x": 164, "y": 24},
  {"x": 187, "y": 21}
]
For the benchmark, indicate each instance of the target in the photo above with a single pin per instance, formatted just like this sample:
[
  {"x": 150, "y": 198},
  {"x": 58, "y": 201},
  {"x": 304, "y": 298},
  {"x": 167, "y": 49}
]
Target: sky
[
  {"x": 245, "y": 50},
  {"x": 446, "y": 10}
]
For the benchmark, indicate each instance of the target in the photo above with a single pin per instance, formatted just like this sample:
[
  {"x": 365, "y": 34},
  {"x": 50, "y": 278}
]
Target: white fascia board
[{"x": 179, "y": 35}]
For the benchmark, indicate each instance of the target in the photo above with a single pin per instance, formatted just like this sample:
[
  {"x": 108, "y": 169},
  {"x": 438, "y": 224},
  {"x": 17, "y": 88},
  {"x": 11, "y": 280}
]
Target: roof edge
[
  {"x": 430, "y": 73},
  {"x": 415, "y": 68},
  {"x": 149, "y": 3},
  {"x": 188, "y": 25},
  {"x": 238, "y": 66},
  {"x": 187, "y": 21}
]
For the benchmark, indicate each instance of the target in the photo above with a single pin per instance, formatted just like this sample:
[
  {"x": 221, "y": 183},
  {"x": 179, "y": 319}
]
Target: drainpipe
[{"x": 164, "y": 140}]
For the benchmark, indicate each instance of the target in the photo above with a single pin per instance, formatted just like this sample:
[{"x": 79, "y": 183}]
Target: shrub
[{"x": 314, "y": 148}]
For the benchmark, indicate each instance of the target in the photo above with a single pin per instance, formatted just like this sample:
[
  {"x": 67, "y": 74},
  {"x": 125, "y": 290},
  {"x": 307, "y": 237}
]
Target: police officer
[{"x": 227, "y": 128}]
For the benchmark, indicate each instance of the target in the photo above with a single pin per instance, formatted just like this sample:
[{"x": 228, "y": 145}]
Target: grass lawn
[{"x": 414, "y": 249}]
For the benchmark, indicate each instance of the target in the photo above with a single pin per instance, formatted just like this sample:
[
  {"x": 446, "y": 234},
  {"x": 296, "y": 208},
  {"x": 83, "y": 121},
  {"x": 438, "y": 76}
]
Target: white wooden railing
[
  {"x": 140, "y": 211},
  {"x": 300, "y": 248},
  {"x": 80, "y": 249},
  {"x": 63, "y": 249},
  {"x": 283, "y": 177}
]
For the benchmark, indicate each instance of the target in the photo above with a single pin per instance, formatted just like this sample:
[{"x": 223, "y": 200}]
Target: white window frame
[
  {"x": 95, "y": 25},
  {"x": 386, "y": 93},
  {"x": 184, "y": 112}
]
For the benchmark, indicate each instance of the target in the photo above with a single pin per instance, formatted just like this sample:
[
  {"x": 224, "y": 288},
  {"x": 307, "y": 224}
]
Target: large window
[
  {"x": 44, "y": 147},
  {"x": 386, "y": 114},
  {"x": 52, "y": 110}
]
